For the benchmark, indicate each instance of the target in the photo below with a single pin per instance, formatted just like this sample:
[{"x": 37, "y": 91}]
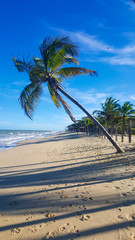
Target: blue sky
[{"x": 105, "y": 34}]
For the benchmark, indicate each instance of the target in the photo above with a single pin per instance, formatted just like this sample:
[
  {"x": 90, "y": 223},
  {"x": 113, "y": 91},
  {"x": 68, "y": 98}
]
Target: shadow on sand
[{"x": 63, "y": 177}]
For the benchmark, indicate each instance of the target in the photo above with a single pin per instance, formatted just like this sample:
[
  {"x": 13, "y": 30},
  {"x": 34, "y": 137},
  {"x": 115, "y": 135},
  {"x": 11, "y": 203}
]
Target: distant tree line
[{"x": 111, "y": 114}]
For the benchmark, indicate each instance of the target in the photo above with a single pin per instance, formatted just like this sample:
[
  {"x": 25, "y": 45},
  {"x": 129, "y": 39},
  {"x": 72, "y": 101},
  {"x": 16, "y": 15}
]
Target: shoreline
[
  {"x": 17, "y": 142},
  {"x": 65, "y": 187}
]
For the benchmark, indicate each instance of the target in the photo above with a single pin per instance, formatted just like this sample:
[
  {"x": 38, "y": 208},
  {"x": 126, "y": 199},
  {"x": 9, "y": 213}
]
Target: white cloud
[
  {"x": 91, "y": 42},
  {"x": 130, "y": 4},
  {"x": 20, "y": 83},
  {"x": 100, "y": 51},
  {"x": 5, "y": 123},
  {"x": 92, "y": 99},
  {"x": 88, "y": 97},
  {"x": 63, "y": 117},
  {"x": 133, "y": 97},
  {"x": 8, "y": 96},
  {"x": 118, "y": 60}
]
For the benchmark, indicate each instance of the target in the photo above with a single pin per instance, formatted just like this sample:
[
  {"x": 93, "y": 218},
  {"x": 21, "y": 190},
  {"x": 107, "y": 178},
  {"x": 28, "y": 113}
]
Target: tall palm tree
[
  {"x": 126, "y": 111},
  {"x": 49, "y": 69},
  {"x": 109, "y": 111}
]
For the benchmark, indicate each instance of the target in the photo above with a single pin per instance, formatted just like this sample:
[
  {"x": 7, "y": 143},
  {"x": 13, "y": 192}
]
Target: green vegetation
[
  {"x": 109, "y": 111},
  {"x": 110, "y": 115},
  {"x": 126, "y": 112}
]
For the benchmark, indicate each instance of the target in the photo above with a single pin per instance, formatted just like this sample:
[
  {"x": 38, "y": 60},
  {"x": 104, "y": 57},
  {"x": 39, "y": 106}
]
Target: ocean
[{"x": 9, "y": 138}]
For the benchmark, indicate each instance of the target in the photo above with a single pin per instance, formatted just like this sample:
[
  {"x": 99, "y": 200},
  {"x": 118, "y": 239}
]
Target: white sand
[{"x": 67, "y": 187}]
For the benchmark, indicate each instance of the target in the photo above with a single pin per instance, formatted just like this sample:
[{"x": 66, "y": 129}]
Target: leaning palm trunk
[
  {"x": 118, "y": 148},
  {"x": 49, "y": 69}
]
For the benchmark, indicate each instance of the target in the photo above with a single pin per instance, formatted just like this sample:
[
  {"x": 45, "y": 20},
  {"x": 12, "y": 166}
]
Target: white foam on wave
[{"x": 9, "y": 139}]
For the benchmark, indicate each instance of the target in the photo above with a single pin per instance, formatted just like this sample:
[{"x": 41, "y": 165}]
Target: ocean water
[{"x": 9, "y": 138}]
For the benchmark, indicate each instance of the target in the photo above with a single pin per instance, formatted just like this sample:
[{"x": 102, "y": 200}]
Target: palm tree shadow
[
  {"x": 65, "y": 177},
  {"x": 58, "y": 137}
]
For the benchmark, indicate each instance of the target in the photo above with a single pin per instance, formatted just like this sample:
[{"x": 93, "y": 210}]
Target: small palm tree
[
  {"x": 126, "y": 111},
  {"x": 109, "y": 111},
  {"x": 49, "y": 69}
]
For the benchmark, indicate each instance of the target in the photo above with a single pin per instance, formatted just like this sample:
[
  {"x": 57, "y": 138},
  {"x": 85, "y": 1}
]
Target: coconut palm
[
  {"x": 109, "y": 111},
  {"x": 49, "y": 69},
  {"x": 126, "y": 111}
]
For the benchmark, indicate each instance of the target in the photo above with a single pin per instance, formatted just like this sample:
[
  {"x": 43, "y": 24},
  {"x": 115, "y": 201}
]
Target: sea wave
[{"x": 9, "y": 138}]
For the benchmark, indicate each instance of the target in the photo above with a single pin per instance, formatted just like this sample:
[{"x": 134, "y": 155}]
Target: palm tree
[
  {"x": 49, "y": 69},
  {"x": 109, "y": 111},
  {"x": 126, "y": 111}
]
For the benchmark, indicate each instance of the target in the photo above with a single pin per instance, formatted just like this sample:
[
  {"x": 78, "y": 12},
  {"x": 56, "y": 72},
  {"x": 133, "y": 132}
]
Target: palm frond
[
  {"x": 67, "y": 109},
  {"x": 97, "y": 112},
  {"x": 64, "y": 55},
  {"x": 51, "y": 44},
  {"x": 39, "y": 62},
  {"x": 29, "y": 98},
  {"x": 38, "y": 75},
  {"x": 23, "y": 65},
  {"x": 131, "y": 112},
  {"x": 57, "y": 99},
  {"x": 127, "y": 109},
  {"x": 74, "y": 71},
  {"x": 50, "y": 47},
  {"x": 53, "y": 95}
]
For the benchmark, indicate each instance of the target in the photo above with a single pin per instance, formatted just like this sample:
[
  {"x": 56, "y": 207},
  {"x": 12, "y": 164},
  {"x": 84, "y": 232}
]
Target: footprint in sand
[
  {"x": 85, "y": 218},
  {"x": 77, "y": 233},
  {"x": 79, "y": 196},
  {"x": 63, "y": 227},
  {"x": 6, "y": 219},
  {"x": 50, "y": 215},
  {"x": 120, "y": 217},
  {"x": 87, "y": 199},
  {"x": 49, "y": 235},
  {"x": 16, "y": 230},
  {"x": 69, "y": 205},
  {"x": 33, "y": 229},
  {"x": 42, "y": 198},
  {"x": 119, "y": 209},
  {"x": 53, "y": 234},
  {"x": 83, "y": 207},
  {"x": 133, "y": 236},
  {"x": 130, "y": 217},
  {"x": 117, "y": 188},
  {"x": 63, "y": 196},
  {"x": 29, "y": 217},
  {"x": 62, "y": 208},
  {"x": 125, "y": 194}
]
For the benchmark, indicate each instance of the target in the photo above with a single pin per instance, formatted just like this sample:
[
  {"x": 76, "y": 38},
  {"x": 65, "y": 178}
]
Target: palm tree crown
[
  {"x": 126, "y": 111},
  {"x": 109, "y": 110},
  {"x": 49, "y": 69}
]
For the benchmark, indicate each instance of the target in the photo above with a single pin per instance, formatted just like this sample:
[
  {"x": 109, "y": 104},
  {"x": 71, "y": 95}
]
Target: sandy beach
[{"x": 65, "y": 187}]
